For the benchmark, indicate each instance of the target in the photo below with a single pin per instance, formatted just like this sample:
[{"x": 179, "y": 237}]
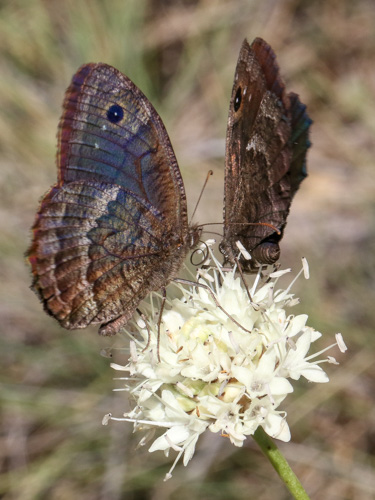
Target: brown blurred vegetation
[{"x": 55, "y": 387}]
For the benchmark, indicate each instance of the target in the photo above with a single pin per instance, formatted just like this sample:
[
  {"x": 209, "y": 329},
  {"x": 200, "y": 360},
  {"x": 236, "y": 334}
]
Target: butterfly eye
[
  {"x": 115, "y": 113},
  {"x": 238, "y": 99}
]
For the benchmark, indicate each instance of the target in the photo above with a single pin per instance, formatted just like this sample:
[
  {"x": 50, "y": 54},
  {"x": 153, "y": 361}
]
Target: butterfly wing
[
  {"x": 300, "y": 142},
  {"x": 267, "y": 140},
  {"x": 114, "y": 227}
]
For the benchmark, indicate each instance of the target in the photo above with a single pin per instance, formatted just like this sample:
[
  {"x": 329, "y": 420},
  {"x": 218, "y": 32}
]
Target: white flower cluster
[{"x": 224, "y": 362}]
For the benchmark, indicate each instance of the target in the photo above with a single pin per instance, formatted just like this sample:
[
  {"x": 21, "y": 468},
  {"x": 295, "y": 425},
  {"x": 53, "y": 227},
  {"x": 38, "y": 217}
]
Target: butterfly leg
[
  {"x": 164, "y": 298},
  {"x": 239, "y": 267},
  {"x": 112, "y": 327}
]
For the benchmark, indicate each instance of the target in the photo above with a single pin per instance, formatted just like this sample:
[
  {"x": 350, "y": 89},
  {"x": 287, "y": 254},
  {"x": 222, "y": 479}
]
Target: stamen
[
  {"x": 306, "y": 270},
  {"x": 106, "y": 418},
  {"x": 340, "y": 342},
  {"x": 245, "y": 254}
]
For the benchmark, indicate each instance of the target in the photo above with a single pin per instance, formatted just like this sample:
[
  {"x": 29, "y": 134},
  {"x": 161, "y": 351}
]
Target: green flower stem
[{"x": 280, "y": 464}]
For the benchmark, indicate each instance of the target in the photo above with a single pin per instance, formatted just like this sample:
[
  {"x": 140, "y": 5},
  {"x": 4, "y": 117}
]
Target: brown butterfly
[
  {"x": 114, "y": 227},
  {"x": 266, "y": 145}
]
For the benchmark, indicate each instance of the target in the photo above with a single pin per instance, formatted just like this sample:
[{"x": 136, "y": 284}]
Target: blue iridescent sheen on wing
[
  {"x": 114, "y": 227},
  {"x": 134, "y": 153}
]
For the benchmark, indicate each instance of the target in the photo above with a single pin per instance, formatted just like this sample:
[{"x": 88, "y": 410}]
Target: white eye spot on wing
[{"x": 251, "y": 144}]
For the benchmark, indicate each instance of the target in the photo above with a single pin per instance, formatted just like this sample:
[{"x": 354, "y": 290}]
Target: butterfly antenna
[
  {"x": 205, "y": 251},
  {"x": 213, "y": 232},
  {"x": 209, "y": 173}
]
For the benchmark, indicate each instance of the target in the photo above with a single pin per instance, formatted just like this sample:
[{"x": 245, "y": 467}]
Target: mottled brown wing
[
  {"x": 267, "y": 140},
  {"x": 114, "y": 227}
]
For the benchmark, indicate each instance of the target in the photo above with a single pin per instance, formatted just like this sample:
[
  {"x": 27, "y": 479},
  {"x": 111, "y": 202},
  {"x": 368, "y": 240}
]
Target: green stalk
[{"x": 280, "y": 464}]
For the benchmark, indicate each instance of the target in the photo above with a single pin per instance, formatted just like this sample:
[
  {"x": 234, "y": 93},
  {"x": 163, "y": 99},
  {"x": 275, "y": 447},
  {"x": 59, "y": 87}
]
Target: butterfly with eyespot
[
  {"x": 114, "y": 227},
  {"x": 266, "y": 145}
]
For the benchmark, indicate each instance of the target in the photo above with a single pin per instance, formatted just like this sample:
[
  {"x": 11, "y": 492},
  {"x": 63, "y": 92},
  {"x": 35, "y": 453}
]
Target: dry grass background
[{"x": 54, "y": 385}]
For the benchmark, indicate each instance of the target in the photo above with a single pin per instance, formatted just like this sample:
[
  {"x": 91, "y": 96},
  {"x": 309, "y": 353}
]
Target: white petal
[
  {"x": 173, "y": 320},
  {"x": 302, "y": 346},
  {"x": 262, "y": 293},
  {"x": 280, "y": 386},
  {"x": 277, "y": 427},
  {"x": 189, "y": 450},
  {"x": 170, "y": 401},
  {"x": 120, "y": 368},
  {"x": 315, "y": 335},
  {"x": 176, "y": 435},
  {"x": 243, "y": 375},
  {"x": 277, "y": 274},
  {"x": 148, "y": 390},
  {"x": 314, "y": 373},
  {"x": 267, "y": 364},
  {"x": 296, "y": 325}
]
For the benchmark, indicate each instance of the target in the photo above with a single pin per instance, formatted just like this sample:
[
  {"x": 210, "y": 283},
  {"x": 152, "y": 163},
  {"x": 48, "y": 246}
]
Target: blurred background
[{"x": 55, "y": 387}]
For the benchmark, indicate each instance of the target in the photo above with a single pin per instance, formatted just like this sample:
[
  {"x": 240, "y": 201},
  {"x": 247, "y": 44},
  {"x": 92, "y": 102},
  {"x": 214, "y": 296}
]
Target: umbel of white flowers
[{"x": 221, "y": 369}]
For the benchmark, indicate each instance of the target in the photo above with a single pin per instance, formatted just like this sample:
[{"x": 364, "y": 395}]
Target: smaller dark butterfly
[
  {"x": 114, "y": 227},
  {"x": 267, "y": 141}
]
